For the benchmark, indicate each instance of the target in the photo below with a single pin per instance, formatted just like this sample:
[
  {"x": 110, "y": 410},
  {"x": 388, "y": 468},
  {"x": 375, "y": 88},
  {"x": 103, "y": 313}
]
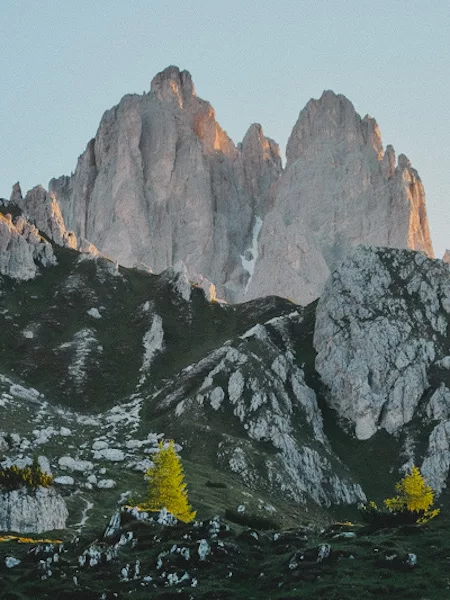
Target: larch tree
[
  {"x": 414, "y": 496},
  {"x": 166, "y": 486}
]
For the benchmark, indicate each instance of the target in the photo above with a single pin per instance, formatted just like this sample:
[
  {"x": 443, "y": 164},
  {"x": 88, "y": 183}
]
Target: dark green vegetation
[
  {"x": 53, "y": 307},
  {"x": 14, "y": 477},
  {"x": 52, "y": 340},
  {"x": 343, "y": 562}
]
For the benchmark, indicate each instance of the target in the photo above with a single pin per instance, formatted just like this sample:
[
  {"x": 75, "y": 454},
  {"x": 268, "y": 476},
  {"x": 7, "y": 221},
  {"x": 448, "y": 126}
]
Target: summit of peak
[{"x": 173, "y": 84}]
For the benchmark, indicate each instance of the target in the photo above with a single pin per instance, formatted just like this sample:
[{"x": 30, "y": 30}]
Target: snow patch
[{"x": 248, "y": 259}]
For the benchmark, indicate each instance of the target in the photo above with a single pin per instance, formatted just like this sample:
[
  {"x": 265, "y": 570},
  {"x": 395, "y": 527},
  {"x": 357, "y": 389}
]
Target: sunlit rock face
[
  {"x": 446, "y": 257},
  {"x": 339, "y": 189},
  {"x": 35, "y": 512},
  {"x": 162, "y": 182},
  {"x": 22, "y": 249},
  {"x": 42, "y": 209},
  {"x": 381, "y": 322}
]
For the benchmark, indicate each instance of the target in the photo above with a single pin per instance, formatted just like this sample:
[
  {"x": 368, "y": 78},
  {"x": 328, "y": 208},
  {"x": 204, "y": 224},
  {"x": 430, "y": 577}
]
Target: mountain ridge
[{"x": 162, "y": 182}]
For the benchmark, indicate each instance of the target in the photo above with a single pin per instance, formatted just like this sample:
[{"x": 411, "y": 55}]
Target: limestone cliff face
[
  {"x": 36, "y": 512},
  {"x": 42, "y": 209},
  {"x": 339, "y": 189},
  {"x": 381, "y": 324},
  {"x": 22, "y": 249},
  {"x": 162, "y": 182}
]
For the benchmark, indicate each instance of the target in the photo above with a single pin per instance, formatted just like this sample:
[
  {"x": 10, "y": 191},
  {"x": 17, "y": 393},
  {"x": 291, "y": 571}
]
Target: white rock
[
  {"x": 99, "y": 445},
  {"x": 67, "y": 462},
  {"x": 64, "y": 480},
  {"x": 374, "y": 345},
  {"x": 106, "y": 484},
  {"x": 41, "y": 510},
  {"x": 111, "y": 454},
  {"x": 94, "y": 313},
  {"x": 11, "y": 561},
  {"x": 203, "y": 549},
  {"x": 152, "y": 342}
]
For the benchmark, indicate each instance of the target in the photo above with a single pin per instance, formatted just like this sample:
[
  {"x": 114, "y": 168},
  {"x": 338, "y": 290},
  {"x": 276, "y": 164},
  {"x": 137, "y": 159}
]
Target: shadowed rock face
[{"x": 162, "y": 182}]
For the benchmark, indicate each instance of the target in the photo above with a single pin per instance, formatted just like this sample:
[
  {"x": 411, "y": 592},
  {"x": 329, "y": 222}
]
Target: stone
[
  {"x": 22, "y": 249},
  {"x": 160, "y": 168},
  {"x": 35, "y": 512},
  {"x": 106, "y": 484},
  {"x": 64, "y": 480},
  {"x": 42, "y": 209},
  {"x": 82, "y": 466},
  {"x": 11, "y": 561},
  {"x": 339, "y": 189},
  {"x": 111, "y": 454},
  {"x": 378, "y": 325}
]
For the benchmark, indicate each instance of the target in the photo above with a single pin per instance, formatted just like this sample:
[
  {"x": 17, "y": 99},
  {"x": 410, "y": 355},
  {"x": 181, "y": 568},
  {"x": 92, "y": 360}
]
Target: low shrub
[
  {"x": 14, "y": 477},
  {"x": 250, "y": 520},
  {"x": 215, "y": 484}
]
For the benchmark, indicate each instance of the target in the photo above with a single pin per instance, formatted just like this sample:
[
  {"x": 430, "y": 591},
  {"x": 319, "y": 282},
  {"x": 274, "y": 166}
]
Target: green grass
[{"x": 370, "y": 566}]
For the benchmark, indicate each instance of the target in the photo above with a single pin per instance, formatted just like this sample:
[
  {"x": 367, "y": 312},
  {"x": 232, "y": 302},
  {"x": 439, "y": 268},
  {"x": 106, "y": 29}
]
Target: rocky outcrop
[
  {"x": 22, "y": 249},
  {"x": 42, "y": 209},
  {"x": 381, "y": 322},
  {"x": 32, "y": 512},
  {"x": 162, "y": 182},
  {"x": 274, "y": 435},
  {"x": 339, "y": 189}
]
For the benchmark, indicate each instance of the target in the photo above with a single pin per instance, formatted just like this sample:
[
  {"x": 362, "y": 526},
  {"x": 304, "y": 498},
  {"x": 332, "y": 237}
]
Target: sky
[{"x": 62, "y": 64}]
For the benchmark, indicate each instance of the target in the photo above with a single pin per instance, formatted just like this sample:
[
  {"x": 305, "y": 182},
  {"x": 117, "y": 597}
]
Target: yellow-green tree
[
  {"x": 414, "y": 496},
  {"x": 166, "y": 487}
]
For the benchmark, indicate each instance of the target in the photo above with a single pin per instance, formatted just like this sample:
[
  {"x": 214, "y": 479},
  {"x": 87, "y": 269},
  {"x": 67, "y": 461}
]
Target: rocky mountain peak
[
  {"x": 162, "y": 182},
  {"x": 42, "y": 209},
  {"x": 16, "y": 195},
  {"x": 22, "y": 249},
  {"x": 330, "y": 120},
  {"x": 171, "y": 84},
  {"x": 446, "y": 257}
]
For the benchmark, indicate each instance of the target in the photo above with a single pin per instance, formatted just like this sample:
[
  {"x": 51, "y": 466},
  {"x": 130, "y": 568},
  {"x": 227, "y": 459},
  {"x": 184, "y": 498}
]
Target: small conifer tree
[
  {"x": 414, "y": 496},
  {"x": 166, "y": 487}
]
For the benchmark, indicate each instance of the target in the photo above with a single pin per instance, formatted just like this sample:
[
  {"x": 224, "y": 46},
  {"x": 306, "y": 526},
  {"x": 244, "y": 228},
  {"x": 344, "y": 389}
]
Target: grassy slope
[{"x": 246, "y": 566}]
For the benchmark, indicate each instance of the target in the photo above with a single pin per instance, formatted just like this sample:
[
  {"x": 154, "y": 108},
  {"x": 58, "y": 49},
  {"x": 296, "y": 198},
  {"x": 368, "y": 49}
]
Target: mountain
[
  {"x": 162, "y": 182},
  {"x": 283, "y": 415},
  {"x": 339, "y": 189},
  {"x": 267, "y": 392}
]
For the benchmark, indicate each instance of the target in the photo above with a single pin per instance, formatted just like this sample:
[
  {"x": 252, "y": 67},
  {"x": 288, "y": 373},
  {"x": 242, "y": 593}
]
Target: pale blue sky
[{"x": 62, "y": 64}]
